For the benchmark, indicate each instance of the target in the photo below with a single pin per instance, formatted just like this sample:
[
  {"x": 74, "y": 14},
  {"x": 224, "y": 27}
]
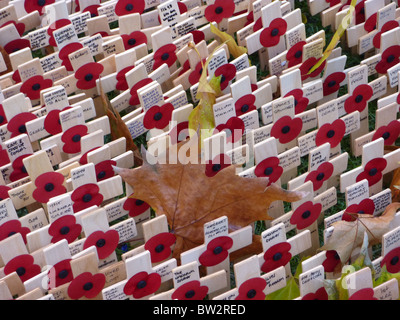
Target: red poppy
[
  {"x": 194, "y": 76},
  {"x": 391, "y": 260},
  {"x": 67, "y": 50},
  {"x": 214, "y": 166},
  {"x": 300, "y": 102},
  {"x": 54, "y": 26},
  {"x": 360, "y": 12},
  {"x": 306, "y": 214},
  {"x": 16, "y": 76},
  {"x": 306, "y": 67},
  {"x": 104, "y": 170},
  {"x": 192, "y": 290},
  {"x": 86, "y": 196},
  {"x": 245, "y": 104},
  {"x": 198, "y": 35},
  {"x": 17, "y": 124},
  {"x": 221, "y": 9},
  {"x": 389, "y": 58},
  {"x": 373, "y": 171},
  {"x": 19, "y": 171},
  {"x": 389, "y": 133},
  {"x": 276, "y": 256},
  {"x": 60, "y": 273},
  {"x": 185, "y": 67},
  {"x": 363, "y": 294},
  {"x": 86, "y": 285},
  {"x": 252, "y": 289},
  {"x": 217, "y": 251},
  {"x": 332, "y": 3},
  {"x": 227, "y": 73},
  {"x": 182, "y": 7},
  {"x": 66, "y": 228},
  {"x": 294, "y": 55},
  {"x": 105, "y": 242},
  {"x": 24, "y": 266},
  {"x": 359, "y": 99},
  {"x": 271, "y": 35},
  {"x": 332, "y": 82},
  {"x": 88, "y": 74},
  {"x": 4, "y": 192},
  {"x": 366, "y": 206},
  {"x": 36, "y": 5},
  {"x": 48, "y": 185},
  {"x": 83, "y": 159},
  {"x": 52, "y": 123},
  {"x": 376, "y": 41},
  {"x": 286, "y": 129},
  {"x": 19, "y": 26},
  {"x": 320, "y": 294},
  {"x": 319, "y": 176},
  {"x": 180, "y": 132},
  {"x": 34, "y": 85},
  {"x": 72, "y": 138},
  {"x": 135, "y": 206},
  {"x": 158, "y": 117},
  {"x": 269, "y": 168},
  {"x": 17, "y": 44},
  {"x": 122, "y": 84},
  {"x": 10, "y": 227},
  {"x": 332, "y": 133},
  {"x": 370, "y": 23},
  {"x": 258, "y": 25},
  {"x": 142, "y": 284},
  {"x": 124, "y": 7},
  {"x": 165, "y": 54},
  {"x": 331, "y": 261},
  {"x": 92, "y": 9},
  {"x": 234, "y": 129},
  {"x": 4, "y": 158},
  {"x": 3, "y": 118},
  {"x": 134, "y": 100},
  {"x": 160, "y": 246},
  {"x": 133, "y": 39}
]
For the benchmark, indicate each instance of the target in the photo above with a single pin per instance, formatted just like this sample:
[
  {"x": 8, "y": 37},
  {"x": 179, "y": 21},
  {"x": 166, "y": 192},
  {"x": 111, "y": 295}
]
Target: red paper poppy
[
  {"x": 306, "y": 67},
  {"x": 227, "y": 73},
  {"x": 320, "y": 294},
  {"x": 134, "y": 100},
  {"x": 165, "y": 54},
  {"x": 391, "y": 260},
  {"x": 122, "y": 84},
  {"x": 142, "y": 284},
  {"x": 34, "y": 85},
  {"x": 300, "y": 102},
  {"x": 376, "y": 41},
  {"x": 19, "y": 26},
  {"x": 333, "y": 3},
  {"x": 67, "y": 50},
  {"x": 160, "y": 246},
  {"x": 214, "y": 166},
  {"x": 370, "y": 23},
  {"x": 135, "y": 206},
  {"x": 331, "y": 261},
  {"x": 276, "y": 256},
  {"x": 194, "y": 76},
  {"x": 72, "y": 138},
  {"x": 3, "y": 118},
  {"x": 252, "y": 289},
  {"x": 192, "y": 290},
  {"x": 158, "y": 117},
  {"x": 24, "y": 266},
  {"x": 269, "y": 168},
  {"x": 332, "y": 133},
  {"x": 389, "y": 58},
  {"x": 245, "y": 104},
  {"x": 198, "y": 35},
  {"x": 134, "y": 39},
  {"x": 4, "y": 192},
  {"x": 366, "y": 206},
  {"x": 105, "y": 242},
  {"x": 363, "y": 294},
  {"x": 389, "y": 133},
  {"x": 86, "y": 285},
  {"x": 217, "y": 251},
  {"x": 92, "y": 9},
  {"x": 83, "y": 159},
  {"x": 104, "y": 170},
  {"x": 271, "y": 35},
  {"x": 19, "y": 171},
  {"x": 185, "y": 67},
  {"x": 319, "y": 176},
  {"x": 36, "y": 5},
  {"x": 86, "y": 196},
  {"x": 305, "y": 215},
  {"x": 16, "y": 76},
  {"x": 124, "y": 7},
  {"x": 53, "y": 27},
  {"x": 4, "y": 158},
  {"x": 17, "y": 44},
  {"x": 88, "y": 74},
  {"x": 180, "y": 132},
  {"x": 360, "y": 12},
  {"x": 249, "y": 18},
  {"x": 66, "y": 228},
  {"x": 8, "y": 228},
  {"x": 359, "y": 99},
  {"x": 221, "y": 9},
  {"x": 286, "y": 129},
  {"x": 48, "y": 185},
  {"x": 60, "y": 273},
  {"x": 294, "y": 55},
  {"x": 234, "y": 129},
  {"x": 373, "y": 171},
  {"x": 182, "y": 7},
  {"x": 17, "y": 124},
  {"x": 52, "y": 123},
  {"x": 332, "y": 82}
]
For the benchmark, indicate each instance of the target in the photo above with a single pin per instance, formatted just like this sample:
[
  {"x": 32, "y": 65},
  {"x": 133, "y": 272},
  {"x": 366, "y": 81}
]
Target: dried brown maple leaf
[
  {"x": 348, "y": 235},
  {"x": 189, "y": 198}
]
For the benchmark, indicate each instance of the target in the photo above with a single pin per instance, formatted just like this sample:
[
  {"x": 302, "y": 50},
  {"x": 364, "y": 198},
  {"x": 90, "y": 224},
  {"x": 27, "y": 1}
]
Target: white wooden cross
[{"x": 311, "y": 284}]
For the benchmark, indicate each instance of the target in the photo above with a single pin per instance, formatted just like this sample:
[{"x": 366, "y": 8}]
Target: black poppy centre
[
  {"x": 359, "y": 98},
  {"x": 87, "y": 198},
  {"x": 394, "y": 260},
  {"x": 101, "y": 174},
  {"x": 390, "y": 59},
  {"x": 159, "y": 248},
  {"x": 219, "y": 10},
  {"x": 277, "y": 256},
  {"x": 64, "y": 230},
  {"x": 141, "y": 284},
  {"x": 41, "y": 3},
  {"x": 298, "y": 54},
  {"x": 129, "y": 7},
  {"x": 306, "y": 214},
  {"x": 274, "y": 32},
  {"x": 251, "y": 293},
  {"x": 36, "y": 87},
  {"x": 216, "y": 167},
  {"x": 89, "y": 77},
  {"x": 373, "y": 172},
  {"x": 331, "y": 83},
  {"x": 190, "y": 294},
  {"x": 76, "y": 138},
  {"x": 100, "y": 243},
  {"x": 285, "y": 129},
  {"x": 88, "y": 286},
  {"x": 245, "y": 108},
  {"x": 330, "y": 133},
  {"x": 20, "y": 271},
  {"x": 217, "y": 250},
  {"x": 22, "y": 128},
  {"x": 132, "y": 41},
  {"x": 158, "y": 116},
  {"x": 268, "y": 171}
]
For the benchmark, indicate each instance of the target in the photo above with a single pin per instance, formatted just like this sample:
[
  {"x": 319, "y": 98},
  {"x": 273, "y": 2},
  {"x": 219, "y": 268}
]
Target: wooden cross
[{"x": 311, "y": 284}]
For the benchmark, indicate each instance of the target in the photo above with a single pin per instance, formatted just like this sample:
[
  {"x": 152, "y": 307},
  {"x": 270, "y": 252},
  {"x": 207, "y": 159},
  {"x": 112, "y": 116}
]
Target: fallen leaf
[
  {"x": 394, "y": 186},
  {"x": 234, "y": 49}
]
